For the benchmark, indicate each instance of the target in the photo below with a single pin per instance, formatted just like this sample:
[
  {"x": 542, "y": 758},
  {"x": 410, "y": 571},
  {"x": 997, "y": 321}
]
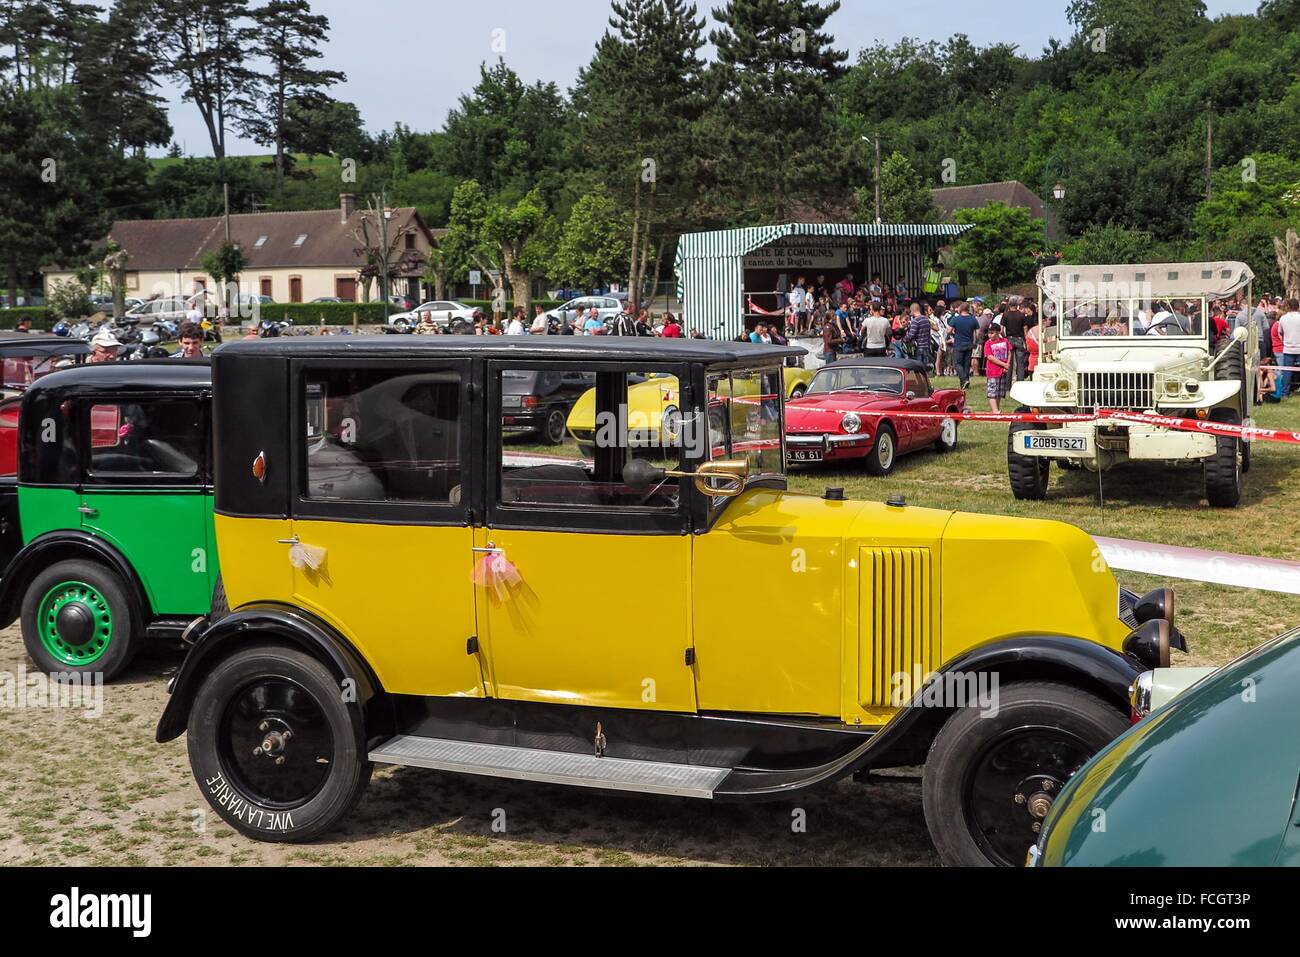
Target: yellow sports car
[{"x": 654, "y": 407}]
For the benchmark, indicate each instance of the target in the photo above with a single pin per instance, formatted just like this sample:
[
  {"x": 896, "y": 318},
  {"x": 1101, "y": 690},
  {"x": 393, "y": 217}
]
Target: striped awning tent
[{"x": 710, "y": 265}]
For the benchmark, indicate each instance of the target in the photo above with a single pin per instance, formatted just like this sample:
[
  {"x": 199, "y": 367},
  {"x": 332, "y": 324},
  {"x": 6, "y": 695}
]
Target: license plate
[
  {"x": 805, "y": 455},
  {"x": 1057, "y": 443}
]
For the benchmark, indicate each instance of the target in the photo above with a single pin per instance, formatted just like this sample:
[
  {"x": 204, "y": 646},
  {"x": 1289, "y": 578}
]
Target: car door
[
  {"x": 923, "y": 430},
  {"x": 146, "y": 489},
  {"x": 381, "y": 544},
  {"x": 582, "y": 583}
]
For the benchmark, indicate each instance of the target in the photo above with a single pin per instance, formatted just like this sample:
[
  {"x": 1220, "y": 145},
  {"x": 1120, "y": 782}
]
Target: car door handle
[
  {"x": 490, "y": 550},
  {"x": 288, "y": 541},
  {"x": 88, "y": 511}
]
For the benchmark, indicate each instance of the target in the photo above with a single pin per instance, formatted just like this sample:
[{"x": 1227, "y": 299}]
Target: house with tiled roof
[
  {"x": 949, "y": 199},
  {"x": 292, "y": 256}
]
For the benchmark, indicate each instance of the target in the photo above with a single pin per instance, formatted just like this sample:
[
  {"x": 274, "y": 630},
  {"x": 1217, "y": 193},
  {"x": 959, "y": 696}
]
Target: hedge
[
  {"x": 39, "y": 315},
  {"x": 341, "y": 313}
]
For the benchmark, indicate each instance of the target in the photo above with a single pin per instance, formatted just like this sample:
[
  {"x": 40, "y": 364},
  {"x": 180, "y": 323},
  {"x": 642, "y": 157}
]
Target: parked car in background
[
  {"x": 26, "y": 357},
  {"x": 606, "y": 308},
  {"x": 846, "y": 414},
  {"x": 106, "y": 532},
  {"x": 1208, "y": 780},
  {"x": 330, "y": 299},
  {"x": 535, "y": 400},
  {"x": 442, "y": 311},
  {"x": 173, "y": 308}
]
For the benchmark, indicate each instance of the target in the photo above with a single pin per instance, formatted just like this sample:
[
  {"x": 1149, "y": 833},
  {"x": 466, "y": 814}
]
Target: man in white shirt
[
  {"x": 875, "y": 333},
  {"x": 516, "y": 327},
  {"x": 1290, "y": 358}
]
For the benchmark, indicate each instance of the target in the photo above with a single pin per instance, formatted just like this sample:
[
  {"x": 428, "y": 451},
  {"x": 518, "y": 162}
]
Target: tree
[
  {"x": 595, "y": 243},
  {"x": 382, "y": 243},
  {"x": 638, "y": 103},
  {"x": 521, "y": 231},
  {"x": 770, "y": 130},
  {"x": 114, "y": 266},
  {"x": 1134, "y": 33},
  {"x": 1000, "y": 249},
  {"x": 465, "y": 247},
  {"x": 904, "y": 195},
  {"x": 114, "y": 75},
  {"x": 287, "y": 34},
  {"x": 224, "y": 264},
  {"x": 1111, "y": 243},
  {"x": 203, "y": 45}
]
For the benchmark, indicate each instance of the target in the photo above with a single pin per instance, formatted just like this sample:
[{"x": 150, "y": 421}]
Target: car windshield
[
  {"x": 1091, "y": 317},
  {"x": 857, "y": 379}
]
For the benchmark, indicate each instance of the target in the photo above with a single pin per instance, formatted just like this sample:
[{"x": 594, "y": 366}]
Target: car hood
[
  {"x": 817, "y": 413},
  {"x": 1207, "y": 780},
  {"x": 1130, "y": 358}
]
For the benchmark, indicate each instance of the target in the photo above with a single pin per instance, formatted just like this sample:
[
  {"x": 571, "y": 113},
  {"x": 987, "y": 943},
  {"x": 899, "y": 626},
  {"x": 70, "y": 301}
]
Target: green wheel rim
[{"x": 92, "y": 601}]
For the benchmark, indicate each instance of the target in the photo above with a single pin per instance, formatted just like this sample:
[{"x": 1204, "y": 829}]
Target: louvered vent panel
[{"x": 895, "y": 629}]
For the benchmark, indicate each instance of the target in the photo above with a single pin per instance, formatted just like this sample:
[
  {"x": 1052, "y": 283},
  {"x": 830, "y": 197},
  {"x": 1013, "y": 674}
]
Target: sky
[{"x": 408, "y": 61}]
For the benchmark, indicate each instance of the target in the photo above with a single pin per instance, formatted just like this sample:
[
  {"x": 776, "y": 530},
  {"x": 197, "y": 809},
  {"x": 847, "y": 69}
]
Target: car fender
[
  {"x": 283, "y": 625},
  {"x": 62, "y": 545}
]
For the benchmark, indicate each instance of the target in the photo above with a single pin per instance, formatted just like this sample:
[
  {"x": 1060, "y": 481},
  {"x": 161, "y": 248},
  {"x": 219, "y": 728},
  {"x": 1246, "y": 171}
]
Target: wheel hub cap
[{"x": 74, "y": 623}]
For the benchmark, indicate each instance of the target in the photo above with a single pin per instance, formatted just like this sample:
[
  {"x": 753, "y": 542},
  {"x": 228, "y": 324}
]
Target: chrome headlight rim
[
  {"x": 851, "y": 423},
  {"x": 1139, "y": 693}
]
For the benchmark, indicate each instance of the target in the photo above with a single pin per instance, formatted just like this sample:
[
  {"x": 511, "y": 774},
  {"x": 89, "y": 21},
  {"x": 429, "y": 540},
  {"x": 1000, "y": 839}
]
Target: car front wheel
[
  {"x": 554, "y": 430},
  {"x": 884, "y": 452},
  {"x": 993, "y": 773},
  {"x": 274, "y": 747},
  {"x": 76, "y": 619}
]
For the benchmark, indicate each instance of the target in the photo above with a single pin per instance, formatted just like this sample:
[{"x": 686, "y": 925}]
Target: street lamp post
[
  {"x": 1058, "y": 194},
  {"x": 876, "y": 144},
  {"x": 386, "y": 215}
]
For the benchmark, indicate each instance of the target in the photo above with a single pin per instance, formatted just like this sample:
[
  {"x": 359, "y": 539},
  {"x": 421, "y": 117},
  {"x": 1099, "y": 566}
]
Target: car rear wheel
[
  {"x": 553, "y": 431},
  {"x": 1029, "y": 474},
  {"x": 273, "y": 746},
  {"x": 1223, "y": 469},
  {"x": 991, "y": 776},
  {"x": 884, "y": 453},
  {"x": 76, "y": 619},
  {"x": 947, "y": 440}
]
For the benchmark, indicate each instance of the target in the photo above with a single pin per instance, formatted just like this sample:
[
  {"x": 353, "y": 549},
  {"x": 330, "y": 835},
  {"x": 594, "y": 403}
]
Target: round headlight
[
  {"x": 1062, "y": 386},
  {"x": 1155, "y": 605},
  {"x": 1149, "y": 643},
  {"x": 1192, "y": 386},
  {"x": 851, "y": 422}
]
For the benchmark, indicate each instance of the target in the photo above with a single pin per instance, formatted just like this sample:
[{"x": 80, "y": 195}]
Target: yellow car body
[{"x": 723, "y": 643}]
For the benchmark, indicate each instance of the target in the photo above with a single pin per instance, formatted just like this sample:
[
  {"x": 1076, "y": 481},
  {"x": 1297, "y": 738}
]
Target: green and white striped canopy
[{"x": 710, "y": 265}]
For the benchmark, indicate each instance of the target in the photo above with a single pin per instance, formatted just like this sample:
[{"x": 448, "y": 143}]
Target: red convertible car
[{"x": 837, "y": 419}]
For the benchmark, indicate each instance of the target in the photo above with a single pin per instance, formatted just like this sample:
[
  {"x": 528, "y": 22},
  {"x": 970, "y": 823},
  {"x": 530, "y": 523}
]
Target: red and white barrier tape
[
  {"x": 1198, "y": 564},
  {"x": 1250, "y": 433}
]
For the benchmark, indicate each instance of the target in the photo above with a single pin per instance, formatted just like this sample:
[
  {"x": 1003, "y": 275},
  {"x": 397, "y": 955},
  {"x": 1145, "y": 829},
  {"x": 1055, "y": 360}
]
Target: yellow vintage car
[
  {"x": 410, "y": 588},
  {"x": 654, "y": 407}
]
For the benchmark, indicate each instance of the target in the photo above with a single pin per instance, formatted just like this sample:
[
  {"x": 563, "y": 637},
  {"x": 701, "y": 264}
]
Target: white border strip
[{"x": 1198, "y": 564}]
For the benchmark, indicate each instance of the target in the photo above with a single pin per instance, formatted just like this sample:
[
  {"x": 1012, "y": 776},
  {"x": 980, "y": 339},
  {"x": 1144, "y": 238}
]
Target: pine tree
[
  {"x": 638, "y": 104},
  {"x": 774, "y": 142},
  {"x": 287, "y": 35}
]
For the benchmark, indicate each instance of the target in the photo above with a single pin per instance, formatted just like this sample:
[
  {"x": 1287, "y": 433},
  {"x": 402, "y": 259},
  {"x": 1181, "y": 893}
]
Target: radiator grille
[
  {"x": 1117, "y": 390},
  {"x": 895, "y": 634}
]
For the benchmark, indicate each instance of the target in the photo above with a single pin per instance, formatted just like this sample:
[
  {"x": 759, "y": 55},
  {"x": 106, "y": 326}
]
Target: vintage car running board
[{"x": 552, "y": 767}]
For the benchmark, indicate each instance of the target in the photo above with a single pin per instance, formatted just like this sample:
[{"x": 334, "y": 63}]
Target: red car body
[{"x": 881, "y": 392}]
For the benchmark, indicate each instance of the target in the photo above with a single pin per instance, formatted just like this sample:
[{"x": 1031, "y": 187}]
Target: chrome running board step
[{"x": 552, "y": 767}]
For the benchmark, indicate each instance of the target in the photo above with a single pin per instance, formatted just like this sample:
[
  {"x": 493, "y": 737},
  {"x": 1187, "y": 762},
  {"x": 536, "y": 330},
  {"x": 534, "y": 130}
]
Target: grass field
[{"x": 77, "y": 789}]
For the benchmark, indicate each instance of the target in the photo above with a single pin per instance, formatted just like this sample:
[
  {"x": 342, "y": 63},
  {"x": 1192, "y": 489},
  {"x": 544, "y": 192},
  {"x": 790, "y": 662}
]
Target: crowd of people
[
  {"x": 961, "y": 338},
  {"x": 630, "y": 322}
]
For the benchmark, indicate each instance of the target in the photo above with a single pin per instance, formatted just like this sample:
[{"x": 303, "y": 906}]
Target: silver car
[{"x": 605, "y": 308}]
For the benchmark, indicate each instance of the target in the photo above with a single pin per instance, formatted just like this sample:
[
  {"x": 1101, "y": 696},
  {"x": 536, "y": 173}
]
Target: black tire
[
  {"x": 553, "y": 430},
  {"x": 1040, "y": 734},
  {"x": 102, "y": 630},
  {"x": 220, "y": 604},
  {"x": 1223, "y": 469},
  {"x": 947, "y": 440},
  {"x": 1029, "y": 474},
  {"x": 246, "y": 700},
  {"x": 884, "y": 451}
]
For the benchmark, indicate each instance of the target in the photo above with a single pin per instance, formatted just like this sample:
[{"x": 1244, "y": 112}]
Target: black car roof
[
  {"x": 572, "y": 348},
  {"x": 904, "y": 365},
  {"x": 142, "y": 374},
  {"x": 30, "y": 344}
]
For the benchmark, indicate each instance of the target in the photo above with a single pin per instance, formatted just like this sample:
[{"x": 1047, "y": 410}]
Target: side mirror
[{"x": 724, "y": 478}]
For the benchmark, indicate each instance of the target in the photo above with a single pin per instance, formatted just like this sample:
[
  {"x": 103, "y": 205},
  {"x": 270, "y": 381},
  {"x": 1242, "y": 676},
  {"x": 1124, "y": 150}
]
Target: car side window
[
  {"x": 918, "y": 384},
  {"x": 567, "y": 435},
  {"x": 145, "y": 440},
  {"x": 382, "y": 435}
]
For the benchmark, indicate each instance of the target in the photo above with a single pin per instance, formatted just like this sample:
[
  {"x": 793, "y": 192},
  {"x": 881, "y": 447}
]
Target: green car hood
[{"x": 1208, "y": 780}]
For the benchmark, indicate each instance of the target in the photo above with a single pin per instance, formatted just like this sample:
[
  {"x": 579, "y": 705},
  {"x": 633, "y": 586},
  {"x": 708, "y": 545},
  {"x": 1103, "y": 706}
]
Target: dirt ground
[{"x": 80, "y": 789}]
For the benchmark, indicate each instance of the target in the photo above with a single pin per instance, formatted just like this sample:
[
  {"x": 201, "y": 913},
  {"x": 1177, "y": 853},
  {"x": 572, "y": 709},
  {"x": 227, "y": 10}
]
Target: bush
[
  {"x": 333, "y": 313},
  {"x": 69, "y": 300}
]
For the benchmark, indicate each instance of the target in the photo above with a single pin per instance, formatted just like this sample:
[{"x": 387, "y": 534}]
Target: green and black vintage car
[{"x": 106, "y": 529}]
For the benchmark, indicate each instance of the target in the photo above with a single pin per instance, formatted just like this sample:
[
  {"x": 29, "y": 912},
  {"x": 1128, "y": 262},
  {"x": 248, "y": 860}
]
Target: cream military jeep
[{"x": 1137, "y": 338}]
